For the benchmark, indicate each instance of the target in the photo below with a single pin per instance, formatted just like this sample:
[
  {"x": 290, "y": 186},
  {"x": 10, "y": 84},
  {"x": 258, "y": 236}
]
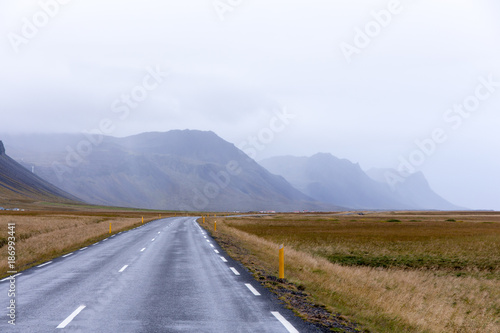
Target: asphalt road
[{"x": 165, "y": 276}]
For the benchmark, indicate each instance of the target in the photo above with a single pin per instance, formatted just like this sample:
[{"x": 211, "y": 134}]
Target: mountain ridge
[
  {"x": 18, "y": 184},
  {"x": 329, "y": 179},
  {"x": 179, "y": 170},
  {"x": 411, "y": 187},
  {"x": 197, "y": 170}
]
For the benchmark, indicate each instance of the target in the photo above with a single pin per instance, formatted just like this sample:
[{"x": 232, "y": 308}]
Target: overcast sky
[{"x": 363, "y": 80}]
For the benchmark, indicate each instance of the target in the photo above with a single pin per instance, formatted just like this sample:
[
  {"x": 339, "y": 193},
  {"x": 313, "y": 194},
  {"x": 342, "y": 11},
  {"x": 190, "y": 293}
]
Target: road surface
[{"x": 165, "y": 276}]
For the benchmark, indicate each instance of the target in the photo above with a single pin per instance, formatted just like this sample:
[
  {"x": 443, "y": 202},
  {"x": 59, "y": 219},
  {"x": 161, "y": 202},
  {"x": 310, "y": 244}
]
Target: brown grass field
[{"x": 389, "y": 272}]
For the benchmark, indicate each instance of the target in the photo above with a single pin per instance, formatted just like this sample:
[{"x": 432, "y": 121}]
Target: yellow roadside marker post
[
  {"x": 282, "y": 262},
  {"x": 215, "y": 226},
  {"x": 203, "y": 219},
  {"x": 143, "y": 219},
  {"x": 109, "y": 227}
]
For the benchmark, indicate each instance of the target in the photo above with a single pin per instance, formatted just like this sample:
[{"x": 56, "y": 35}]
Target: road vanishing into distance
[{"x": 165, "y": 276}]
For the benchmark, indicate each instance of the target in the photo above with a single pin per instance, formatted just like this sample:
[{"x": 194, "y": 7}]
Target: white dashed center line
[
  {"x": 153, "y": 239},
  {"x": 47, "y": 263},
  {"x": 285, "y": 322},
  {"x": 143, "y": 249},
  {"x": 71, "y": 317},
  {"x": 252, "y": 289},
  {"x": 123, "y": 268}
]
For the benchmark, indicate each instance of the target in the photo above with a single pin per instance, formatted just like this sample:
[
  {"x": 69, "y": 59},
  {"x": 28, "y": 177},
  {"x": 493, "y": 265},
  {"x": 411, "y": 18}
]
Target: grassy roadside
[
  {"x": 260, "y": 258},
  {"x": 334, "y": 259}
]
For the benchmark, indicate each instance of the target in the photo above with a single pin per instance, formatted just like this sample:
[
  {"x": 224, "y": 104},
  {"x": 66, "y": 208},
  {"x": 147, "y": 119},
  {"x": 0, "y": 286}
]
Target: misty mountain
[
  {"x": 182, "y": 170},
  {"x": 413, "y": 190},
  {"x": 17, "y": 184},
  {"x": 329, "y": 179}
]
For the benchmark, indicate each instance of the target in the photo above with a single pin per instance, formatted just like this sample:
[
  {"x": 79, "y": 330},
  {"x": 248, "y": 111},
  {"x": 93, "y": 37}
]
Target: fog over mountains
[
  {"x": 329, "y": 179},
  {"x": 181, "y": 170},
  {"x": 196, "y": 170},
  {"x": 19, "y": 185}
]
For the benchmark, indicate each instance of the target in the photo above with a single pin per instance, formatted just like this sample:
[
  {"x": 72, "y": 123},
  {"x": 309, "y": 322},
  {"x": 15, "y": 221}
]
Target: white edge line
[
  {"x": 216, "y": 251},
  {"x": 252, "y": 289},
  {"x": 47, "y": 263},
  {"x": 123, "y": 268},
  {"x": 223, "y": 259},
  {"x": 284, "y": 322},
  {"x": 67, "y": 255},
  {"x": 234, "y": 271},
  {"x": 9, "y": 277},
  {"x": 84, "y": 248},
  {"x": 71, "y": 317},
  {"x": 212, "y": 245}
]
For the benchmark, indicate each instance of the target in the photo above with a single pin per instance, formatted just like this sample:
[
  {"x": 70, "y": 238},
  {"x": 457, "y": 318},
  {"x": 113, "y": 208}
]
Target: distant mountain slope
[
  {"x": 414, "y": 190},
  {"x": 341, "y": 182},
  {"x": 19, "y": 184},
  {"x": 186, "y": 170}
]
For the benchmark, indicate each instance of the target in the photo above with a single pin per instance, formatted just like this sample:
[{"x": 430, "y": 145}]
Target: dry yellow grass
[
  {"x": 41, "y": 236},
  {"x": 394, "y": 299}
]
